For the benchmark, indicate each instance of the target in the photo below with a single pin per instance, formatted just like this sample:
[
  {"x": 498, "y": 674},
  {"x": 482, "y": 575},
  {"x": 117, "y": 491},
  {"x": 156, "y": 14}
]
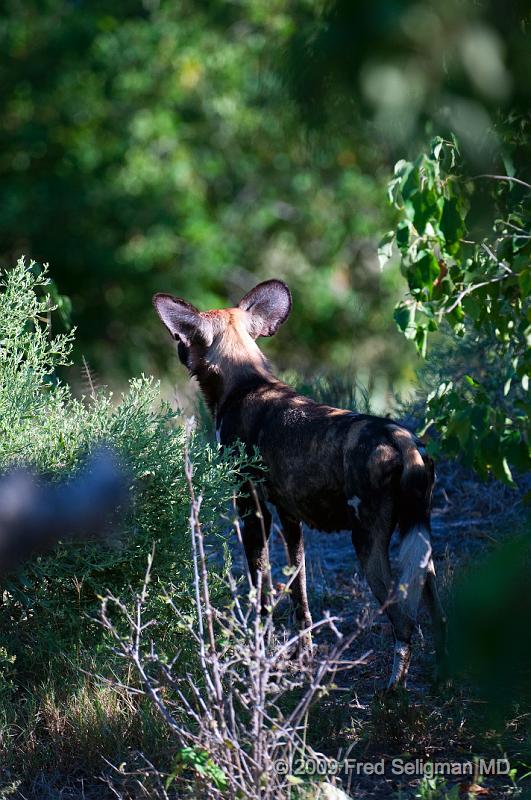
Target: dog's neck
[{"x": 219, "y": 382}]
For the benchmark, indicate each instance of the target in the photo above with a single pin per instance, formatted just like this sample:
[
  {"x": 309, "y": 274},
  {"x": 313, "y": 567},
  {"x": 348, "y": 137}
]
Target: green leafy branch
[{"x": 472, "y": 281}]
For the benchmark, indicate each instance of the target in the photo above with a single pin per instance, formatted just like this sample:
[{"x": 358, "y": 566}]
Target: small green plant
[
  {"x": 201, "y": 764},
  {"x": 436, "y": 788}
]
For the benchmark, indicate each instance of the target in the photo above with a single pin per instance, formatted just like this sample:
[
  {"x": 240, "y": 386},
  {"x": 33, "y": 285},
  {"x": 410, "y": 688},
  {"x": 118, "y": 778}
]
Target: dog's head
[{"x": 220, "y": 345}]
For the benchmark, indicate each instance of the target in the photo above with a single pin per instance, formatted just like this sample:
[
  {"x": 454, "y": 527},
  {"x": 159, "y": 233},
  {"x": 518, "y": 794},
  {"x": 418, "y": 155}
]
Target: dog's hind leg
[{"x": 371, "y": 534}]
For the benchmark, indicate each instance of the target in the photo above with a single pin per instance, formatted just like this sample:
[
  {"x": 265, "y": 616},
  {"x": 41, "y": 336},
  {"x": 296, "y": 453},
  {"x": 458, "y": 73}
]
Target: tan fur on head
[{"x": 233, "y": 352}]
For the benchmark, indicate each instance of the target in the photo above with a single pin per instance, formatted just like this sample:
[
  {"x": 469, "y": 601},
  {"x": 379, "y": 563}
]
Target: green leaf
[
  {"x": 490, "y": 449},
  {"x": 410, "y": 183},
  {"x": 508, "y": 164},
  {"x": 472, "y": 307},
  {"x": 459, "y": 426},
  {"x": 524, "y": 282},
  {"x": 436, "y": 147},
  {"x": 519, "y": 455},
  {"x": 424, "y": 272},
  {"x": 401, "y": 166},
  {"x": 385, "y": 248},
  {"x": 425, "y": 209},
  {"x": 402, "y": 235},
  {"x": 404, "y": 316},
  {"x": 421, "y": 339},
  {"x": 505, "y": 249},
  {"x": 507, "y": 471},
  {"x": 452, "y": 222},
  {"x": 478, "y": 418}
]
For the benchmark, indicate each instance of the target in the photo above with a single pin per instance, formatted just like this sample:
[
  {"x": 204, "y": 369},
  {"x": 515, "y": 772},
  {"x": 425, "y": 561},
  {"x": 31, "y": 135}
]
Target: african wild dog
[{"x": 328, "y": 468}]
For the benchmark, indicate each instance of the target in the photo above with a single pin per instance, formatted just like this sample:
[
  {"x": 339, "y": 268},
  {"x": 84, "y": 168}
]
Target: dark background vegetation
[
  {"x": 197, "y": 147},
  {"x": 149, "y": 146}
]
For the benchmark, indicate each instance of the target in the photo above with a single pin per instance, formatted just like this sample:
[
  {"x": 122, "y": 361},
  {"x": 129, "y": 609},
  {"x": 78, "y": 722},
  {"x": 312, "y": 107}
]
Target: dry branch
[{"x": 237, "y": 711}]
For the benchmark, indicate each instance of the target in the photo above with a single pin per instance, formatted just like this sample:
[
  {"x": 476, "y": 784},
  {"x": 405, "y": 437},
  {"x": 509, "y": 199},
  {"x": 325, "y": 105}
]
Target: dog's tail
[{"x": 416, "y": 486}]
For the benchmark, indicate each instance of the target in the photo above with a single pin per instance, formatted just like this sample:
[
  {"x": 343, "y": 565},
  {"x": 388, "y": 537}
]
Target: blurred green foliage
[
  {"x": 490, "y": 612},
  {"x": 406, "y": 65},
  {"x": 197, "y": 148},
  {"x": 152, "y": 146},
  {"x": 473, "y": 279}
]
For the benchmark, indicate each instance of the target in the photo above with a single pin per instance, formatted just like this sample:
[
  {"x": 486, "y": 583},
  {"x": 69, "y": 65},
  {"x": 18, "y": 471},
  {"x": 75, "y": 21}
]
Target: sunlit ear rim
[
  {"x": 182, "y": 319},
  {"x": 268, "y": 305},
  {"x": 160, "y": 298},
  {"x": 253, "y": 296}
]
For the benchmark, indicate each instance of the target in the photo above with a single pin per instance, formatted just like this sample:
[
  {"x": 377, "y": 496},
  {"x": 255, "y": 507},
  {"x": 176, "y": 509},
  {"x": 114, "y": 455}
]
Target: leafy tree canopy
[{"x": 406, "y": 65}]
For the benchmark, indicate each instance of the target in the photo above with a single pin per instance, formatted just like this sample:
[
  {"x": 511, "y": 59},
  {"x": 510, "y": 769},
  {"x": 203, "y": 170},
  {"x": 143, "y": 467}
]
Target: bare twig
[
  {"x": 473, "y": 288},
  {"x": 508, "y": 178}
]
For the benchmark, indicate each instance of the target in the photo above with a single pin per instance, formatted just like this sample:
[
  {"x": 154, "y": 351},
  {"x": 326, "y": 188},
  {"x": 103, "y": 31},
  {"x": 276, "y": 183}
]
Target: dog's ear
[
  {"x": 267, "y": 306},
  {"x": 185, "y": 323}
]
